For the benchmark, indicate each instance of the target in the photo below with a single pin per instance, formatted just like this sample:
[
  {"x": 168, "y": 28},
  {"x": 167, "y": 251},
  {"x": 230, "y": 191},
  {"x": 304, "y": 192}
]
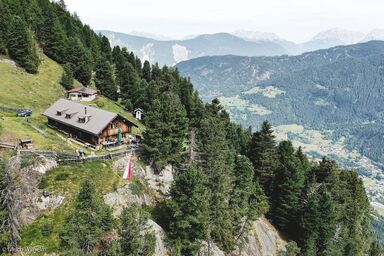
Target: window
[{"x": 81, "y": 119}]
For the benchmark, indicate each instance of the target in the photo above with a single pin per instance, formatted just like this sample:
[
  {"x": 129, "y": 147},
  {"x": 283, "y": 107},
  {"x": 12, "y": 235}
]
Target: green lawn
[
  {"x": 20, "y": 89},
  {"x": 100, "y": 172}
]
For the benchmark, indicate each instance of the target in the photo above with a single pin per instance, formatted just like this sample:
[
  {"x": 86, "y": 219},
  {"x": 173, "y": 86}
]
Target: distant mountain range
[
  {"x": 161, "y": 49},
  {"x": 331, "y": 97}
]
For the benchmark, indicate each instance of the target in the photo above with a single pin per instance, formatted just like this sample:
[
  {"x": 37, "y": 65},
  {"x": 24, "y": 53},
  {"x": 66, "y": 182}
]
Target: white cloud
[{"x": 296, "y": 20}]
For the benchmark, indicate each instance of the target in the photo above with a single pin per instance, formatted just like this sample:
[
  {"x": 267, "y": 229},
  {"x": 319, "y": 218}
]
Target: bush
[
  {"x": 100, "y": 104},
  {"x": 62, "y": 176},
  {"x": 46, "y": 230},
  {"x": 137, "y": 187},
  {"x": 128, "y": 105},
  {"x": 43, "y": 184}
]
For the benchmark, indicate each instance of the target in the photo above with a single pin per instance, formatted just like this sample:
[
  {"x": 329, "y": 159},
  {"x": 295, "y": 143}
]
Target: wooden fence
[
  {"x": 9, "y": 109},
  {"x": 66, "y": 158},
  {"x": 7, "y": 145}
]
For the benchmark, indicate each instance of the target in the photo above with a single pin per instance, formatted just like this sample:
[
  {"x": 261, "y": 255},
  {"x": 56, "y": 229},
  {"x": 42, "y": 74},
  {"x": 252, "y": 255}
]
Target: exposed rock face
[
  {"x": 33, "y": 201},
  {"x": 210, "y": 250},
  {"x": 124, "y": 196},
  {"x": 159, "y": 182},
  {"x": 162, "y": 248},
  {"x": 263, "y": 240},
  {"x": 157, "y": 186},
  {"x": 46, "y": 202}
]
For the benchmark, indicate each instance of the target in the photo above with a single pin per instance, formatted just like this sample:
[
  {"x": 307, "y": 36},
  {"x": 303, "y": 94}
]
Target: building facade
[{"x": 96, "y": 127}]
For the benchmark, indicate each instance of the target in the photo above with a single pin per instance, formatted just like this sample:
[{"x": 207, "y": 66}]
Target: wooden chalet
[{"x": 89, "y": 125}]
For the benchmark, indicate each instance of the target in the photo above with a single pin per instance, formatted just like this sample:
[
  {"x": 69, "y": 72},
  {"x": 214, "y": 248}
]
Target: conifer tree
[
  {"x": 67, "y": 77},
  {"x": 243, "y": 188},
  {"x": 156, "y": 72},
  {"x": 52, "y": 36},
  {"x": 129, "y": 82},
  {"x": 88, "y": 220},
  {"x": 81, "y": 61},
  {"x": 33, "y": 15},
  {"x": 262, "y": 153},
  {"x": 147, "y": 71},
  {"x": 4, "y": 24},
  {"x": 189, "y": 210},
  {"x": 104, "y": 79},
  {"x": 136, "y": 238},
  {"x": 21, "y": 46},
  {"x": 91, "y": 41},
  {"x": 166, "y": 131},
  {"x": 105, "y": 48},
  {"x": 287, "y": 188},
  {"x": 217, "y": 162}
]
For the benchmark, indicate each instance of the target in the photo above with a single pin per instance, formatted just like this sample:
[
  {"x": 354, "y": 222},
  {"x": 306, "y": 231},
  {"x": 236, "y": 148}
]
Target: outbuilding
[{"x": 82, "y": 94}]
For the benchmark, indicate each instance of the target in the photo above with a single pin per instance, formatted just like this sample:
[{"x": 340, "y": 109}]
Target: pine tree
[
  {"x": 189, "y": 210},
  {"x": 217, "y": 161},
  {"x": 52, "y": 36},
  {"x": 81, "y": 61},
  {"x": 310, "y": 220},
  {"x": 4, "y": 26},
  {"x": 147, "y": 71},
  {"x": 262, "y": 153},
  {"x": 166, "y": 131},
  {"x": 33, "y": 15},
  {"x": 287, "y": 189},
  {"x": 156, "y": 72},
  {"x": 243, "y": 189},
  {"x": 105, "y": 48},
  {"x": 129, "y": 82},
  {"x": 91, "y": 41},
  {"x": 88, "y": 220},
  {"x": 67, "y": 77},
  {"x": 21, "y": 46},
  {"x": 104, "y": 79},
  {"x": 318, "y": 222},
  {"x": 136, "y": 238}
]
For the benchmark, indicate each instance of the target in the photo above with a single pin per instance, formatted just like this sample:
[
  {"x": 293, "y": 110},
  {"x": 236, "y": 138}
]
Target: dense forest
[{"x": 226, "y": 176}]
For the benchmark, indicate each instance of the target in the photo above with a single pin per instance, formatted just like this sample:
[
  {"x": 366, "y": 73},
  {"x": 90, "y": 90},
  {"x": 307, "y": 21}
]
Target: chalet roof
[
  {"x": 69, "y": 112},
  {"x": 84, "y": 90}
]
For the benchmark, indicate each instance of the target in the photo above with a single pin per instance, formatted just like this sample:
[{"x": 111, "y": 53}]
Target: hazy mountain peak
[
  {"x": 151, "y": 35},
  {"x": 376, "y": 34},
  {"x": 256, "y": 35},
  {"x": 338, "y": 34}
]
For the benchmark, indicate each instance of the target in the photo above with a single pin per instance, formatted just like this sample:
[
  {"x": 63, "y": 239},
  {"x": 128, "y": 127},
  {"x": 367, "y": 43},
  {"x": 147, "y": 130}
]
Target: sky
[{"x": 294, "y": 20}]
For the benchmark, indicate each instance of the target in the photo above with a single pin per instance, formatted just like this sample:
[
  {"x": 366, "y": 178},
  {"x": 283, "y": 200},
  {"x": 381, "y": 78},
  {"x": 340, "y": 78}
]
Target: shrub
[
  {"x": 46, "y": 230},
  {"x": 62, "y": 176},
  {"x": 43, "y": 184}
]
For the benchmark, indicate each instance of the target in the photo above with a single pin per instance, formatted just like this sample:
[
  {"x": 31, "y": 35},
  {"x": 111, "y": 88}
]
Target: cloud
[{"x": 296, "y": 20}]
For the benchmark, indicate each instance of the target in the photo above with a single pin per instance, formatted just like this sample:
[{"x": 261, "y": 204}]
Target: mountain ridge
[{"x": 240, "y": 42}]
